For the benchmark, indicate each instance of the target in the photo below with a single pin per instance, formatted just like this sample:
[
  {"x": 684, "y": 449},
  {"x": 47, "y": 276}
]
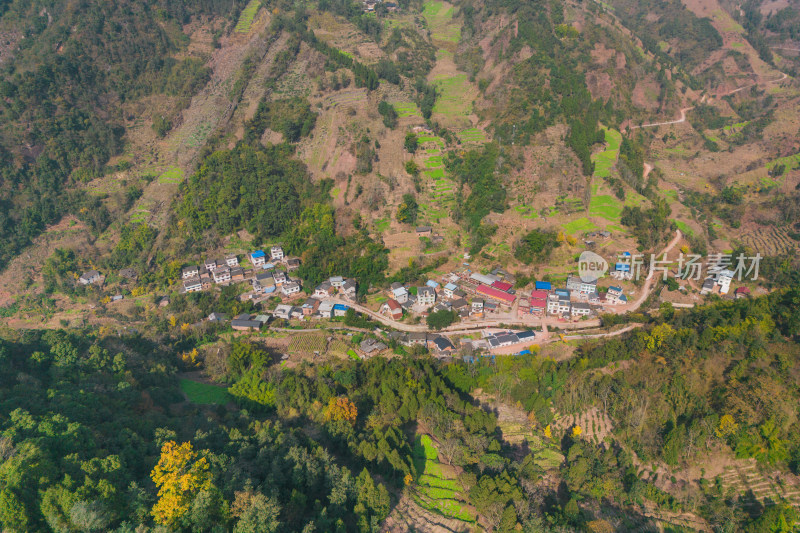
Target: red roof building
[
  {"x": 539, "y": 294},
  {"x": 538, "y": 303},
  {"x": 495, "y": 294},
  {"x": 502, "y": 285}
]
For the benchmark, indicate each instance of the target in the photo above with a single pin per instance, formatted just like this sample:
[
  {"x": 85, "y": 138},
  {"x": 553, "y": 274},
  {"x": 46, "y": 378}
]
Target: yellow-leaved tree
[
  {"x": 341, "y": 409},
  {"x": 179, "y": 475}
]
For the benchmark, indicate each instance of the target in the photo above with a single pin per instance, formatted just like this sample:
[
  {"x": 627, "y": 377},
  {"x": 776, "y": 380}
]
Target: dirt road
[{"x": 648, "y": 282}]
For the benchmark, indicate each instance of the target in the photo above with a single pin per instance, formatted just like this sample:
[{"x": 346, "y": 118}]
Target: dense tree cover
[
  {"x": 61, "y": 93},
  {"x": 441, "y": 319},
  {"x": 536, "y": 246},
  {"x": 388, "y": 113},
  {"x": 258, "y": 189},
  {"x": 649, "y": 225},
  {"x": 716, "y": 378},
  {"x": 480, "y": 170},
  {"x": 324, "y": 253},
  {"x": 292, "y": 117},
  {"x": 408, "y": 209}
]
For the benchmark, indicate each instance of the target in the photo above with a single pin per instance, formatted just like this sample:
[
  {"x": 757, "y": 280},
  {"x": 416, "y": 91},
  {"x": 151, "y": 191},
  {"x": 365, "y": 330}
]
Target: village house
[
  {"x": 449, "y": 289},
  {"x": 501, "y": 286},
  {"x": 574, "y": 283},
  {"x": 442, "y": 345},
  {"x": 441, "y": 306},
  {"x": 128, "y": 273},
  {"x": 432, "y": 284},
  {"x": 417, "y": 338},
  {"x": 280, "y": 277},
  {"x": 289, "y": 288},
  {"x": 538, "y": 306},
  {"x": 244, "y": 323},
  {"x": 210, "y": 264},
  {"x": 459, "y": 304},
  {"x": 458, "y": 293},
  {"x": 324, "y": 290},
  {"x": 477, "y": 306},
  {"x": 372, "y": 346},
  {"x": 88, "y": 278},
  {"x": 399, "y": 293},
  {"x": 524, "y": 307},
  {"x": 231, "y": 260},
  {"x": 217, "y": 317},
  {"x": 348, "y": 289},
  {"x": 708, "y": 286},
  {"x": 543, "y": 286},
  {"x": 336, "y": 281},
  {"x": 424, "y": 231},
  {"x": 392, "y": 308},
  {"x": 552, "y": 304},
  {"x": 222, "y": 274},
  {"x": 724, "y": 279},
  {"x": 283, "y": 311},
  {"x": 496, "y": 294},
  {"x": 296, "y": 312},
  {"x": 485, "y": 279},
  {"x": 426, "y": 296},
  {"x": 614, "y": 294},
  {"x": 258, "y": 258},
  {"x": 340, "y": 309},
  {"x": 293, "y": 263},
  {"x": 189, "y": 272},
  {"x": 325, "y": 309},
  {"x": 310, "y": 306},
  {"x": 276, "y": 253},
  {"x": 237, "y": 274},
  {"x": 741, "y": 292},
  {"x": 580, "y": 309},
  {"x": 192, "y": 285},
  {"x": 621, "y": 272}
]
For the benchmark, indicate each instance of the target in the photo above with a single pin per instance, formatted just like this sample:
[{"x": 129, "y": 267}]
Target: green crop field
[
  {"x": 203, "y": 393},
  {"x": 440, "y": 21},
  {"x": 791, "y": 161},
  {"x": 606, "y": 206},
  {"x": 604, "y": 161},
  {"x": 171, "y": 175},
  {"x": 472, "y": 135},
  {"x": 580, "y": 225},
  {"x": 407, "y": 109},
  {"x": 247, "y": 16},
  {"x": 437, "y": 492},
  {"x": 422, "y": 139},
  {"x": 451, "y": 100},
  {"x": 684, "y": 227}
]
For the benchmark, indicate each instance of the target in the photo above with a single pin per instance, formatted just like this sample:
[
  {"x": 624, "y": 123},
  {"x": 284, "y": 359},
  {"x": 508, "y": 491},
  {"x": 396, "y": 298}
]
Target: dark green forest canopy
[
  {"x": 60, "y": 95},
  {"x": 260, "y": 189}
]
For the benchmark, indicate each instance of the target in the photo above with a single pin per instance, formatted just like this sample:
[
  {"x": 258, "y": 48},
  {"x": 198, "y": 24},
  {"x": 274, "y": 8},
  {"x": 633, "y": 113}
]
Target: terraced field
[
  {"x": 580, "y": 225},
  {"x": 172, "y": 175},
  {"x": 307, "y": 343},
  {"x": 351, "y": 96},
  {"x": 406, "y": 109},
  {"x": 439, "y": 16},
  {"x": 472, "y": 135},
  {"x": 451, "y": 100},
  {"x": 435, "y": 491},
  {"x": 770, "y": 241},
  {"x": 755, "y": 488},
  {"x": 247, "y": 15}
]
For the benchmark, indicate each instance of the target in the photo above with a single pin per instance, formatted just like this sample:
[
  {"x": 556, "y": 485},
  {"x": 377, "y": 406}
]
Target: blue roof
[
  {"x": 544, "y": 285},
  {"x": 564, "y": 292},
  {"x": 431, "y": 283},
  {"x": 613, "y": 288},
  {"x": 451, "y": 286},
  {"x": 258, "y": 253},
  {"x": 622, "y": 267},
  {"x": 269, "y": 289},
  {"x": 525, "y": 352},
  {"x": 340, "y": 307},
  {"x": 623, "y": 298},
  {"x": 626, "y": 254}
]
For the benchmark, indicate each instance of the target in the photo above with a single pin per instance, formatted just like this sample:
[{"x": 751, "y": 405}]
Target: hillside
[{"x": 280, "y": 266}]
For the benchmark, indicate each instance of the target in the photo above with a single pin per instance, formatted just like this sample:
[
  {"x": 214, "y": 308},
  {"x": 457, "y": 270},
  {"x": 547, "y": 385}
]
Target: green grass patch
[
  {"x": 335, "y": 192},
  {"x": 407, "y": 109},
  {"x": 548, "y": 458},
  {"x": 452, "y": 100},
  {"x": 684, "y": 227},
  {"x": 791, "y": 161},
  {"x": 171, "y": 175},
  {"x": 203, "y": 393},
  {"x": 580, "y": 225},
  {"x": 437, "y": 173},
  {"x": 247, "y": 16},
  {"x": 382, "y": 224},
  {"x": 422, "y": 139},
  {"x": 606, "y": 206}
]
